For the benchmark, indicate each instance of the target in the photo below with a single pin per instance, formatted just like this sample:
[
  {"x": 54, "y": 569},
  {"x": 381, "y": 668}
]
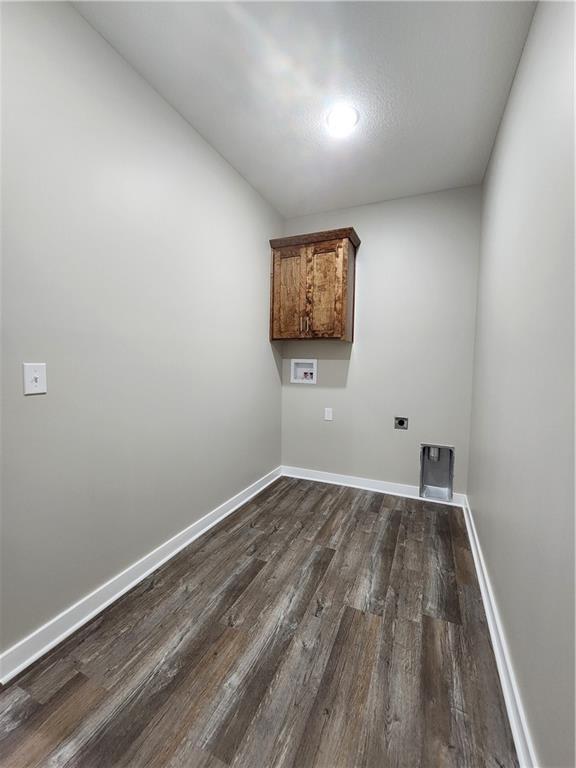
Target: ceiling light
[{"x": 341, "y": 120}]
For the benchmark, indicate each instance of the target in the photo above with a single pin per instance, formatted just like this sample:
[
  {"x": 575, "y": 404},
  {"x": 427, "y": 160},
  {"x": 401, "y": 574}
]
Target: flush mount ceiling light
[{"x": 341, "y": 120}]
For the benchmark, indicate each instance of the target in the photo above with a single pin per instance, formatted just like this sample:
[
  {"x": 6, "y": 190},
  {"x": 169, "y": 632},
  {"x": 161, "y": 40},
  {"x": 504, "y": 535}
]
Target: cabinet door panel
[
  {"x": 289, "y": 281},
  {"x": 324, "y": 290}
]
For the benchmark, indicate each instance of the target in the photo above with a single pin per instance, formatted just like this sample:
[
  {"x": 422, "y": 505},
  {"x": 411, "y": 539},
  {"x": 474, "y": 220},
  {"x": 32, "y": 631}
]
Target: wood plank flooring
[{"x": 317, "y": 627}]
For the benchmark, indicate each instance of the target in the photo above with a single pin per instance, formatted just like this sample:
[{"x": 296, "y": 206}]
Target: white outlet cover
[
  {"x": 328, "y": 416},
  {"x": 34, "y": 378}
]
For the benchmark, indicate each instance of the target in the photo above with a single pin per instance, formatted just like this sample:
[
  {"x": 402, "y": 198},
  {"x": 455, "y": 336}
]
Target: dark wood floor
[{"x": 317, "y": 626}]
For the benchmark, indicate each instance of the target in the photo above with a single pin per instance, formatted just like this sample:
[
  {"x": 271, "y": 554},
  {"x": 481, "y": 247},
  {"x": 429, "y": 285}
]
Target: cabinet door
[
  {"x": 324, "y": 290},
  {"x": 288, "y": 292}
]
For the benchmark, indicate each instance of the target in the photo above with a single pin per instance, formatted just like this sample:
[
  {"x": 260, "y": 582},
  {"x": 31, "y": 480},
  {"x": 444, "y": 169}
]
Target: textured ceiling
[{"x": 429, "y": 79}]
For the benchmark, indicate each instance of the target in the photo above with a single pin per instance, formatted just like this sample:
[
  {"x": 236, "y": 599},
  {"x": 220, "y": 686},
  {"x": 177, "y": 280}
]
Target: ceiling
[{"x": 429, "y": 79}]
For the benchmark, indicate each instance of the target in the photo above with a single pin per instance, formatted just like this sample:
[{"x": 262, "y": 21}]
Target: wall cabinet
[{"x": 312, "y": 291}]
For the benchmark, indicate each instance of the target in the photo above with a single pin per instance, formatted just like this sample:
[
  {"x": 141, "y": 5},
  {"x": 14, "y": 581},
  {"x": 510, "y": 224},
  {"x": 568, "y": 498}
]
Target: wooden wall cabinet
[{"x": 312, "y": 291}]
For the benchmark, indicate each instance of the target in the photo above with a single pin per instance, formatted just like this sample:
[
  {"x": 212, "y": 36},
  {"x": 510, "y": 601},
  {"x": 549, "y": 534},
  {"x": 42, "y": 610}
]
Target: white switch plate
[
  {"x": 327, "y": 414},
  {"x": 34, "y": 378}
]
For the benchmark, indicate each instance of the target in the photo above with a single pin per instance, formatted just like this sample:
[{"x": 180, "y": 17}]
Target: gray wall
[
  {"x": 521, "y": 483},
  {"x": 136, "y": 264},
  {"x": 416, "y": 276},
  {"x": 126, "y": 239}
]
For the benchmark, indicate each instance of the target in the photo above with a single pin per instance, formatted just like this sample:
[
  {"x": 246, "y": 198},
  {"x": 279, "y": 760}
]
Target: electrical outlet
[{"x": 400, "y": 422}]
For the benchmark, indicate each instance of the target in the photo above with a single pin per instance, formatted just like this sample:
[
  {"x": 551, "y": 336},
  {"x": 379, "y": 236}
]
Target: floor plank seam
[{"x": 317, "y": 626}]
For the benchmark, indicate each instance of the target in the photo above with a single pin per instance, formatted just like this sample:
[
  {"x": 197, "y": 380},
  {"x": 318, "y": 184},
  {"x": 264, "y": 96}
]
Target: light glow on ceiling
[{"x": 341, "y": 120}]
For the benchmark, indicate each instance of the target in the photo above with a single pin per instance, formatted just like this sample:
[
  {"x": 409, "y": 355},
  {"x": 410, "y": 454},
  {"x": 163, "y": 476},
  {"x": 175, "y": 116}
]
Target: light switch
[
  {"x": 327, "y": 414},
  {"x": 34, "y": 378}
]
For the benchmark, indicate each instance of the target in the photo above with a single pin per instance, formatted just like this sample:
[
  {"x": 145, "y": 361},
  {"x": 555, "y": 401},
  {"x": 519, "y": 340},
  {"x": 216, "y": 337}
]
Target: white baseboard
[
  {"x": 516, "y": 714},
  {"x": 39, "y": 642},
  {"x": 381, "y": 486}
]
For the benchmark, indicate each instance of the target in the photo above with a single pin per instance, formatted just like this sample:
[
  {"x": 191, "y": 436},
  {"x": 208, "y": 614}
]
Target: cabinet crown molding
[{"x": 318, "y": 237}]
